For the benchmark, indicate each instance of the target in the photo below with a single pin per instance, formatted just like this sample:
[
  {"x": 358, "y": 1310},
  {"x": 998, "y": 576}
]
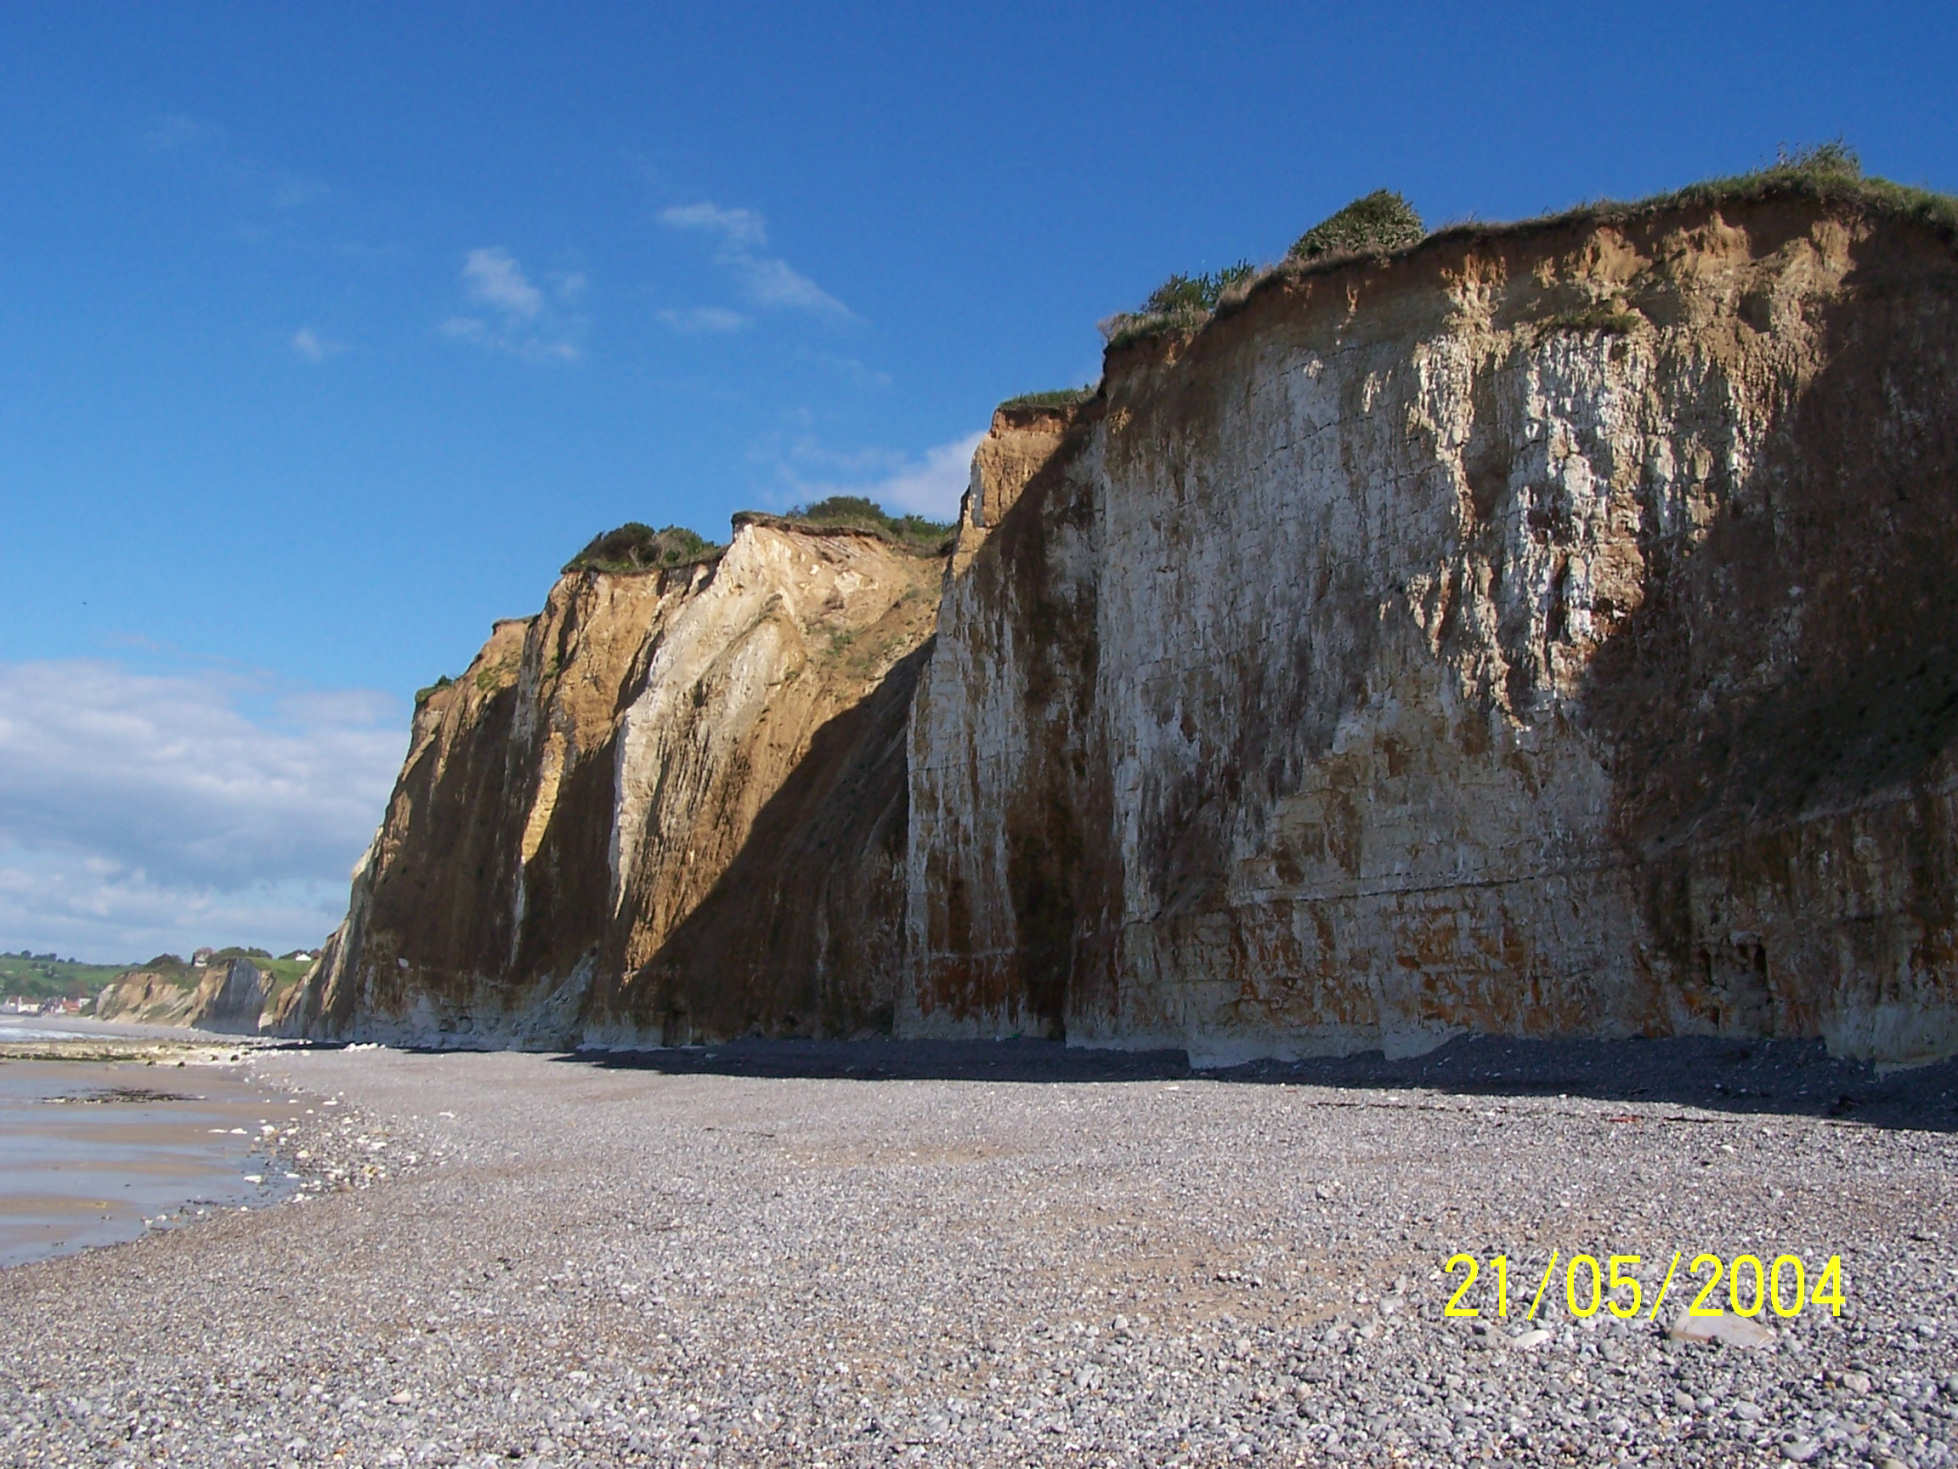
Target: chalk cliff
[{"x": 1545, "y": 630}]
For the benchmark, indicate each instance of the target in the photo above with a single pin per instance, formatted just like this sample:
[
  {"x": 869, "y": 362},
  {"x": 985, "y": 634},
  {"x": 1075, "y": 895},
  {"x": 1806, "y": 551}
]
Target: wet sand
[{"x": 127, "y": 1131}]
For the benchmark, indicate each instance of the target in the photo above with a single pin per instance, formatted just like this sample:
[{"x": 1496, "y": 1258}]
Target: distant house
[{"x": 202, "y": 957}]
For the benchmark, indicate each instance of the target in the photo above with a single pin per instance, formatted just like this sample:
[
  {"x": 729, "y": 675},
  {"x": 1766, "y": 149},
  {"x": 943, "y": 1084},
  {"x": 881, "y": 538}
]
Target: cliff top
[
  {"x": 1380, "y": 226},
  {"x": 855, "y": 515},
  {"x": 635, "y": 547}
]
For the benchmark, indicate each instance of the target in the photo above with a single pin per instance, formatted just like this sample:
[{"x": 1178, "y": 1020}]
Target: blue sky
[{"x": 329, "y": 333}]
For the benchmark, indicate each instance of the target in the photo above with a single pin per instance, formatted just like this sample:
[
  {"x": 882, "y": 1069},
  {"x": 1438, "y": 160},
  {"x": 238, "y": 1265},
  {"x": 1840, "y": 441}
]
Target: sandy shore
[{"x": 868, "y": 1255}]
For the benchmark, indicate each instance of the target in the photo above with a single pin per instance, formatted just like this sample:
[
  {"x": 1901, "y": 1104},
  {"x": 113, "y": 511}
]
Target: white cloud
[
  {"x": 704, "y": 319},
  {"x": 493, "y": 277},
  {"x": 928, "y": 484},
  {"x": 765, "y": 280},
  {"x": 313, "y": 347},
  {"x": 142, "y": 811},
  {"x": 770, "y": 282},
  {"x": 739, "y": 228},
  {"x": 518, "y": 319},
  {"x": 932, "y": 484}
]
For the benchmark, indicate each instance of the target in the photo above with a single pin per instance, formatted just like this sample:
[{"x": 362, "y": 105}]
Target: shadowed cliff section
[
  {"x": 800, "y": 935},
  {"x": 1794, "y": 823}
]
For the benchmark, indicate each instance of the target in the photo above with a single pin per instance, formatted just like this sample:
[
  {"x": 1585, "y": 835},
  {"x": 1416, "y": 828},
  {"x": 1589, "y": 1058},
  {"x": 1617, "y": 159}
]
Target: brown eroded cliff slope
[
  {"x": 1545, "y": 630},
  {"x": 650, "y": 809},
  {"x": 228, "y": 995}
]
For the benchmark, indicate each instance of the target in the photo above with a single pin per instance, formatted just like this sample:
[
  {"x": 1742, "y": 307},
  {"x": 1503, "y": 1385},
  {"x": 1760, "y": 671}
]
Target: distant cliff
[
  {"x": 1542, "y": 630},
  {"x": 229, "y": 994}
]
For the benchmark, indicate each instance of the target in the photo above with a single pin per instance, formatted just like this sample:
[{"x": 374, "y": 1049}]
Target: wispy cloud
[
  {"x": 169, "y": 131},
  {"x": 295, "y": 191},
  {"x": 260, "y": 184},
  {"x": 143, "y": 811},
  {"x": 492, "y": 277},
  {"x": 928, "y": 483},
  {"x": 696, "y": 319},
  {"x": 741, "y": 229},
  {"x": 740, "y": 241},
  {"x": 854, "y": 369},
  {"x": 514, "y": 315},
  {"x": 310, "y": 346}
]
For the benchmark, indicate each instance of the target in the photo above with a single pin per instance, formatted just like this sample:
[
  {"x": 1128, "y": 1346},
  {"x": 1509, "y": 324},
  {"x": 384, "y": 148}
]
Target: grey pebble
[{"x": 592, "y": 1264}]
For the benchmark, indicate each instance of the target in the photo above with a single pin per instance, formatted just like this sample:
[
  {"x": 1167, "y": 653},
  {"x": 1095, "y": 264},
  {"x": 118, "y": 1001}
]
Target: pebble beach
[{"x": 875, "y": 1254}]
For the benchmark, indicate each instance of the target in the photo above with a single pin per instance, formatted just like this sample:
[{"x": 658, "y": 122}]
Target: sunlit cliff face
[{"x": 1544, "y": 632}]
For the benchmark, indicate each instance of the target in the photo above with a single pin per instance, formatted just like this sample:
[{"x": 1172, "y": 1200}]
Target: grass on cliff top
[
  {"x": 1829, "y": 173},
  {"x": 635, "y": 548},
  {"x": 854, "y": 512},
  {"x": 179, "y": 971},
  {"x": 1382, "y": 224},
  {"x": 1056, "y": 398}
]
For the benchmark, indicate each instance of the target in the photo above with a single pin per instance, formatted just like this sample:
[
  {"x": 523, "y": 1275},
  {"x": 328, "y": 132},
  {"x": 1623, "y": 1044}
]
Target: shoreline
[{"x": 596, "y": 1262}]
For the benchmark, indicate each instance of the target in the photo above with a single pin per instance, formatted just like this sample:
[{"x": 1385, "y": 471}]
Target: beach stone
[{"x": 1727, "y": 1329}]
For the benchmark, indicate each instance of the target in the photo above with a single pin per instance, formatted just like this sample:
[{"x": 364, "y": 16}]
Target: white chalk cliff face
[
  {"x": 1543, "y": 634},
  {"x": 1549, "y": 631}
]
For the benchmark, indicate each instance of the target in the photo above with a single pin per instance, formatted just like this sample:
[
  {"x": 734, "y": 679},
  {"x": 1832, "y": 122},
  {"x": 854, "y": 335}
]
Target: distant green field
[
  {"x": 42, "y": 978},
  {"x": 49, "y": 979}
]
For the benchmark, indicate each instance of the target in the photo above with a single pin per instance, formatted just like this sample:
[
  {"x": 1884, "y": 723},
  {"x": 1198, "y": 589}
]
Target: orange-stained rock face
[
  {"x": 1547, "y": 632},
  {"x": 583, "y": 808}
]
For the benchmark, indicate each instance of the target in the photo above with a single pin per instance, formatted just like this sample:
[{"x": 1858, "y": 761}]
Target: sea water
[{"x": 96, "y": 1152}]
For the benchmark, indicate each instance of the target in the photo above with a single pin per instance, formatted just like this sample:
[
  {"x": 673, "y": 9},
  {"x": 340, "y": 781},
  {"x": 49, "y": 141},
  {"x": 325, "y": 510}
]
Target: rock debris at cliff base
[{"x": 615, "y": 1265}]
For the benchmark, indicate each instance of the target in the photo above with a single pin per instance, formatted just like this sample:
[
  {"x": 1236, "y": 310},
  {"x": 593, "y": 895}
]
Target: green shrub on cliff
[
  {"x": 1054, "y": 398},
  {"x": 1373, "y": 224},
  {"x": 635, "y": 547},
  {"x": 1194, "y": 293},
  {"x": 855, "y": 512},
  {"x": 1181, "y": 303}
]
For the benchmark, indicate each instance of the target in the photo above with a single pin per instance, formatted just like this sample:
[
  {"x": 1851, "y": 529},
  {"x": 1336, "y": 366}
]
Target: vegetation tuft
[
  {"x": 634, "y": 548},
  {"x": 1373, "y": 224},
  {"x": 854, "y": 512},
  {"x": 1383, "y": 222},
  {"x": 1195, "y": 292},
  {"x": 1057, "y": 398},
  {"x": 1830, "y": 173},
  {"x": 422, "y": 693},
  {"x": 1615, "y": 320},
  {"x": 1181, "y": 303}
]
